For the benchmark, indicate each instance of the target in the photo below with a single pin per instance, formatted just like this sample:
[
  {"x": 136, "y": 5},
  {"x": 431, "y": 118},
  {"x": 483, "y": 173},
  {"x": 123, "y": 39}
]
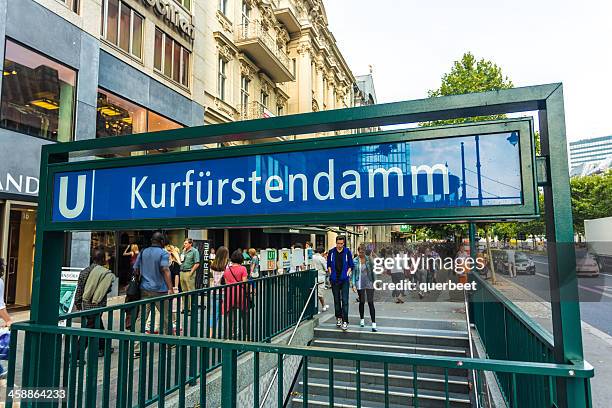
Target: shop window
[
  {"x": 38, "y": 94},
  {"x": 118, "y": 117},
  {"x": 170, "y": 58},
  {"x": 122, "y": 26}
]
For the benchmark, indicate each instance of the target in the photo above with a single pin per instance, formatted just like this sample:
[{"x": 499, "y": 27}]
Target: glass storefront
[
  {"x": 117, "y": 116},
  {"x": 38, "y": 94}
]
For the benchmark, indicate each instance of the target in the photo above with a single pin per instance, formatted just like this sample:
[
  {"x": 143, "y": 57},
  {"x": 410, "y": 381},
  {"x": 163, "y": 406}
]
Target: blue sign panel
[{"x": 466, "y": 171}]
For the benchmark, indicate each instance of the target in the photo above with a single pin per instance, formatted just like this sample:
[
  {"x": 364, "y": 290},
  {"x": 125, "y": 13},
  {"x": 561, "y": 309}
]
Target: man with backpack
[
  {"x": 152, "y": 268},
  {"x": 92, "y": 289}
]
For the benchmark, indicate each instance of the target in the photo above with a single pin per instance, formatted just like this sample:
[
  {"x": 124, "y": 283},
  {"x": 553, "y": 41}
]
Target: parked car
[
  {"x": 524, "y": 264},
  {"x": 587, "y": 266}
]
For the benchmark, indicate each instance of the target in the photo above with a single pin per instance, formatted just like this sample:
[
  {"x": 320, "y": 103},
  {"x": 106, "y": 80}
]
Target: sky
[{"x": 411, "y": 44}]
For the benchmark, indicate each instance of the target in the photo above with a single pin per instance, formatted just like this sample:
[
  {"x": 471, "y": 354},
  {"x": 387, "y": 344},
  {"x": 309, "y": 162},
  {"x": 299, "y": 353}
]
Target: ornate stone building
[{"x": 273, "y": 57}]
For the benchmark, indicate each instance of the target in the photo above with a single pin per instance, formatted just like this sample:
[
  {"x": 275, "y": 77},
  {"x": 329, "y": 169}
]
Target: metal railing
[
  {"x": 145, "y": 371},
  {"x": 85, "y": 387},
  {"x": 254, "y": 110},
  {"x": 255, "y": 31},
  {"x": 508, "y": 333}
]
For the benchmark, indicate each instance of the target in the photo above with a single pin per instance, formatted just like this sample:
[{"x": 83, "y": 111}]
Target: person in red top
[{"x": 236, "y": 302}]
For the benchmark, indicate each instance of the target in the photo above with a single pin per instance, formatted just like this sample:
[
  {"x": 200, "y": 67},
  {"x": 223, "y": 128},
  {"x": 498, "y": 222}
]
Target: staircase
[{"x": 415, "y": 336}]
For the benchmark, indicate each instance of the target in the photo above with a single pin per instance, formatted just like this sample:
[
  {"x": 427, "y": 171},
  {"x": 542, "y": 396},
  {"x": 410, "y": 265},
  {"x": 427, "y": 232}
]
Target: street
[{"x": 595, "y": 293}]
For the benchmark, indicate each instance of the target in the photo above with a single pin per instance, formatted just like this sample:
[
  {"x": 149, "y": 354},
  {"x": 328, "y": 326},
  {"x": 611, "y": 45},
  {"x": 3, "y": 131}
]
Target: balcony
[
  {"x": 255, "y": 110},
  {"x": 286, "y": 13},
  {"x": 254, "y": 41}
]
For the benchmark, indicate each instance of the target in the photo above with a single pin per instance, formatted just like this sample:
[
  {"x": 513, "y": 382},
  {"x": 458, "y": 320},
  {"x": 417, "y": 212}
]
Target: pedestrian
[
  {"x": 92, "y": 289},
  {"x": 320, "y": 264},
  {"x": 327, "y": 282},
  {"x": 511, "y": 262},
  {"x": 235, "y": 297},
  {"x": 190, "y": 258},
  {"x": 175, "y": 266},
  {"x": 340, "y": 266},
  {"x": 362, "y": 281},
  {"x": 152, "y": 266},
  {"x": 132, "y": 251},
  {"x": 254, "y": 269},
  {"x": 3, "y": 313},
  {"x": 397, "y": 276},
  {"x": 218, "y": 268}
]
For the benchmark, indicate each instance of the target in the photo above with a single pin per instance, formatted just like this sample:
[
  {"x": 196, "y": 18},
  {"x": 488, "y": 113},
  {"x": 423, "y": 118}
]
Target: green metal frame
[
  {"x": 546, "y": 99},
  {"x": 528, "y": 209}
]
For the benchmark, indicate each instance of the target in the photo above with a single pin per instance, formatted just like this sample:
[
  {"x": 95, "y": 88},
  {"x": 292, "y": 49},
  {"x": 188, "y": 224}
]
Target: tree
[
  {"x": 469, "y": 75},
  {"x": 591, "y": 198}
]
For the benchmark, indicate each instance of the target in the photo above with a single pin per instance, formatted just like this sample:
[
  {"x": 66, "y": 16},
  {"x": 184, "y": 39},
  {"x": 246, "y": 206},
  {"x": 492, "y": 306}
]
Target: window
[
  {"x": 171, "y": 59},
  {"x": 245, "y": 83},
  {"x": 281, "y": 111},
  {"x": 246, "y": 15},
  {"x": 38, "y": 94},
  {"x": 264, "y": 99},
  {"x": 122, "y": 27},
  {"x": 223, "y": 6},
  {"x": 294, "y": 66},
  {"x": 118, "y": 117},
  {"x": 222, "y": 78},
  {"x": 185, "y": 3},
  {"x": 71, "y": 4}
]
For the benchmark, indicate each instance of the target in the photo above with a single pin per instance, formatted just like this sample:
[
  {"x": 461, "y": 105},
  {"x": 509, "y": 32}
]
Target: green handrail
[
  {"x": 230, "y": 349},
  {"x": 508, "y": 333}
]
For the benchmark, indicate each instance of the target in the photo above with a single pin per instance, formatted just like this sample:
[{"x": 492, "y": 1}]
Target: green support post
[
  {"x": 228, "y": 378},
  {"x": 561, "y": 260}
]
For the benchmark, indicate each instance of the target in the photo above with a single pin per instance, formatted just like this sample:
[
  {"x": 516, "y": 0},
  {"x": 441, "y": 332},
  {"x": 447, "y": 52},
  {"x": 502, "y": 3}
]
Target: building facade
[
  {"x": 83, "y": 69},
  {"x": 589, "y": 156},
  {"x": 270, "y": 58}
]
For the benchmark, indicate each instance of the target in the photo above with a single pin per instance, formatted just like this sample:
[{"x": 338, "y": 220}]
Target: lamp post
[
  {"x": 463, "y": 187},
  {"x": 477, "y": 138}
]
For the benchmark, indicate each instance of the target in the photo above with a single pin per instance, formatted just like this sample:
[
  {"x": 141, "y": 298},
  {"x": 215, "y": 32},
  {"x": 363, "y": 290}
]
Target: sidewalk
[{"x": 597, "y": 345}]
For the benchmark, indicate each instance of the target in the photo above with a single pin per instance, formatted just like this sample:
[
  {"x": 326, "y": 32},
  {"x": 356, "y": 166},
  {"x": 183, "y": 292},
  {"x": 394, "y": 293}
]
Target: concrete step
[
  {"x": 376, "y": 394},
  {"x": 383, "y": 346},
  {"x": 397, "y": 336},
  {"x": 323, "y": 401},
  {"x": 407, "y": 369},
  {"x": 409, "y": 322},
  {"x": 396, "y": 378}
]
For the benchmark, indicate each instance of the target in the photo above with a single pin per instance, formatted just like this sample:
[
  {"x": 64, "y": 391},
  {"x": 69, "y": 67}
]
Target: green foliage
[
  {"x": 469, "y": 75},
  {"x": 591, "y": 198}
]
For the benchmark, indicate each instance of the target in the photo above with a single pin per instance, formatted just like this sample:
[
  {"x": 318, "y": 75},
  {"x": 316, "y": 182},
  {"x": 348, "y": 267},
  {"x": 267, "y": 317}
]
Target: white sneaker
[
  {"x": 374, "y": 329},
  {"x": 362, "y": 323},
  {"x": 338, "y": 322},
  {"x": 325, "y": 308},
  {"x": 345, "y": 326}
]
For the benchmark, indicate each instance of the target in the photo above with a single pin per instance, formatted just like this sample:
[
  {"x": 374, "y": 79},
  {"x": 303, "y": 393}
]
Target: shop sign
[
  {"x": 18, "y": 184},
  {"x": 172, "y": 15}
]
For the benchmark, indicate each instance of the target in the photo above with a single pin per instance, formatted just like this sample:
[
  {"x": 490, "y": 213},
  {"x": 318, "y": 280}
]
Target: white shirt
[{"x": 320, "y": 264}]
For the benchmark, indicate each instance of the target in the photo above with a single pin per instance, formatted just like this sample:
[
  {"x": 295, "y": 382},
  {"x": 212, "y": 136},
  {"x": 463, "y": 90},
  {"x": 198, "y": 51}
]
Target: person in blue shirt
[
  {"x": 340, "y": 266},
  {"x": 152, "y": 266}
]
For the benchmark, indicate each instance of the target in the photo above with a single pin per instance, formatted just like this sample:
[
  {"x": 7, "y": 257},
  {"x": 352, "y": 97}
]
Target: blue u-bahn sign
[{"x": 473, "y": 171}]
